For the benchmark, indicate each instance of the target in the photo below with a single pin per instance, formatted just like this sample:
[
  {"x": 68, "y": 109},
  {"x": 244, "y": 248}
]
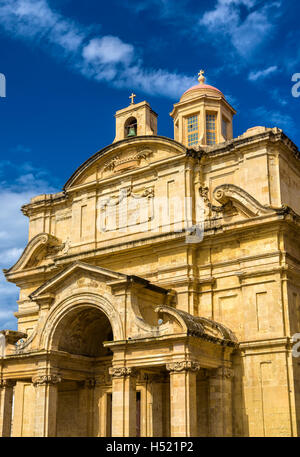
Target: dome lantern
[{"x": 203, "y": 116}]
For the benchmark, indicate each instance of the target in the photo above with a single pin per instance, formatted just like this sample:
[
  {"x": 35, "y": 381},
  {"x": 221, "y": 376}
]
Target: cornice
[
  {"x": 271, "y": 135},
  {"x": 44, "y": 201}
]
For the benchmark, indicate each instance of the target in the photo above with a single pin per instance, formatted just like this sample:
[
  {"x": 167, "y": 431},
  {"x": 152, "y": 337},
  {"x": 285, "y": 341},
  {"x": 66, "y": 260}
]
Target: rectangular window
[
  {"x": 193, "y": 130},
  {"x": 224, "y": 128},
  {"x": 211, "y": 136}
]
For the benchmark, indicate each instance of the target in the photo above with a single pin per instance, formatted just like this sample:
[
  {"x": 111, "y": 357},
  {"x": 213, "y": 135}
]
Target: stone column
[
  {"x": 45, "y": 405},
  {"x": 123, "y": 401},
  {"x": 183, "y": 398},
  {"x": 220, "y": 402},
  {"x": 6, "y": 401}
]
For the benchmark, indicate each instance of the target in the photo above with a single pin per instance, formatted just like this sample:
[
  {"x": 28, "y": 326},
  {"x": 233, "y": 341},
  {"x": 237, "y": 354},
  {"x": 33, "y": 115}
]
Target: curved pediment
[
  {"x": 197, "y": 326},
  {"x": 35, "y": 251},
  {"x": 243, "y": 201},
  {"x": 125, "y": 155}
]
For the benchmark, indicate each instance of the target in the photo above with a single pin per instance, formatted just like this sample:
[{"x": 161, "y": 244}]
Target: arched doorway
[{"x": 83, "y": 360}]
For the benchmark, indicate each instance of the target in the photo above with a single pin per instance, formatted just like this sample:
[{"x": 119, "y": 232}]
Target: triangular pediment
[{"x": 54, "y": 283}]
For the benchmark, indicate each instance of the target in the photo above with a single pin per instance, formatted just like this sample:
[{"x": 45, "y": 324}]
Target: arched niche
[
  {"x": 82, "y": 332},
  {"x": 130, "y": 127}
]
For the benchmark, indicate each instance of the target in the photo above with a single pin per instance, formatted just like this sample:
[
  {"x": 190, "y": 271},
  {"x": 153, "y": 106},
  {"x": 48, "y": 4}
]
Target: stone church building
[{"x": 159, "y": 290}]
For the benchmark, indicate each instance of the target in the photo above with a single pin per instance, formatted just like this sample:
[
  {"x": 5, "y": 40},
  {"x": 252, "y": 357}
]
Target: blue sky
[{"x": 69, "y": 65}]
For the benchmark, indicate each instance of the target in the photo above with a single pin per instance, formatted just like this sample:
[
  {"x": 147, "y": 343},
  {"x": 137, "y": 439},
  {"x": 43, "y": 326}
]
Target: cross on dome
[{"x": 201, "y": 78}]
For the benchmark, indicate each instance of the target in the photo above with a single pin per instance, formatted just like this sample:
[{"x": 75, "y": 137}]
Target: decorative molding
[
  {"x": 131, "y": 159},
  {"x": 214, "y": 210},
  {"x": 66, "y": 246},
  {"x": 184, "y": 365},
  {"x": 125, "y": 193},
  {"x": 46, "y": 380},
  {"x": 121, "y": 372}
]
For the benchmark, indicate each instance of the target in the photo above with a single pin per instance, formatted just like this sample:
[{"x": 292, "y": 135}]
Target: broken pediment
[
  {"x": 38, "y": 248},
  {"x": 247, "y": 205},
  {"x": 178, "y": 321}
]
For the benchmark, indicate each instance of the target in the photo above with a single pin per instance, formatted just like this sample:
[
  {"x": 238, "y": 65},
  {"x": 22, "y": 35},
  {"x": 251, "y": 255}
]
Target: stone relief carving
[
  {"x": 122, "y": 372},
  {"x": 184, "y": 365},
  {"x": 129, "y": 159},
  {"x": 46, "y": 379},
  {"x": 66, "y": 246}
]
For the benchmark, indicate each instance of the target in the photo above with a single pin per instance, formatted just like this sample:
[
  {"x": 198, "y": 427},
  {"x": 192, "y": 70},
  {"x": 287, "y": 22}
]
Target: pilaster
[
  {"x": 45, "y": 404},
  {"x": 123, "y": 401},
  {"x": 220, "y": 402},
  {"x": 183, "y": 398}
]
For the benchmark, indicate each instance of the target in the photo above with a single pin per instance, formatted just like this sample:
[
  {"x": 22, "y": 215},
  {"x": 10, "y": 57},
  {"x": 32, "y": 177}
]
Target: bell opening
[{"x": 131, "y": 127}]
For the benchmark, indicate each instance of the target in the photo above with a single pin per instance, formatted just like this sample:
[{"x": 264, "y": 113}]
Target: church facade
[{"x": 159, "y": 291}]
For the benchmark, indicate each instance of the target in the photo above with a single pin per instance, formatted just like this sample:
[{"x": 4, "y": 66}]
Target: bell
[{"x": 131, "y": 131}]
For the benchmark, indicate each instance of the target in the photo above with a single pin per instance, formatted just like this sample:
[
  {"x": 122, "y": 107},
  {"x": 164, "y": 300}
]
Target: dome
[{"x": 202, "y": 87}]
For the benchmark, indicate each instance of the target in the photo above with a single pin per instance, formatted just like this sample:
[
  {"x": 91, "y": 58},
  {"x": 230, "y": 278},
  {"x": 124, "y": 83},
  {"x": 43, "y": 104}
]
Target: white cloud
[
  {"x": 244, "y": 33},
  {"x": 275, "y": 119},
  {"x": 14, "y": 225},
  {"x": 35, "y": 19},
  {"x": 260, "y": 74},
  {"x": 107, "y": 50},
  {"x": 105, "y": 58}
]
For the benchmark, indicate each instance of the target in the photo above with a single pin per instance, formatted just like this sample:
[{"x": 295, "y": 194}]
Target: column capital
[
  {"x": 222, "y": 372},
  {"x": 120, "y": 372},
  {"x": 184, "y": 365},
  {"x": 6, "y": 383},
  {"x": 46, "y": 380}
]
